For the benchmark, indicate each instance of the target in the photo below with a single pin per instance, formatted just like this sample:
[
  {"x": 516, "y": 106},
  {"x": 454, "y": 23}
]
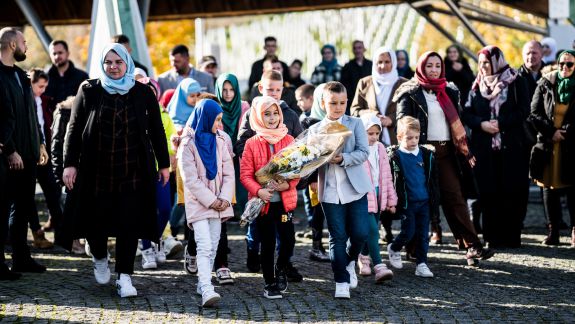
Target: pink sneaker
[
  {"x": 382, "y": 273},
  {"x": 364, "y": 264}
]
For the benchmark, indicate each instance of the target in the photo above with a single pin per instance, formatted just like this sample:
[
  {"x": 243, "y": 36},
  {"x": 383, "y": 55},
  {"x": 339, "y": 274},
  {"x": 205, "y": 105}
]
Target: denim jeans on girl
[
  {"x": 163, "y": 203},
  {"x": 207, "y": 236},
  {"x": 347, "y": 221},
  {"x": 371, "y": 247},
  {"x": 414, "y": 225}
]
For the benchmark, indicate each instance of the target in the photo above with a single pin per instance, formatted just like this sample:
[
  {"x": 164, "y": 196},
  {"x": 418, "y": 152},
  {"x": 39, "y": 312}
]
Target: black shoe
[
  {"x": 253, "y": 261},
  {"x": 292, "y": 274},
  {"x": 28, "y": 266},
  {"x": 281, "y": 279},
  {"x": 6, "y": 274},
  {"x": 480, "y": 253},
  {"x": 271, "y": 291}
]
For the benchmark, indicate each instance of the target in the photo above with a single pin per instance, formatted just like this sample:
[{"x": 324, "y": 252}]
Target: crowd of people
[{"x": 129, "y": 155}]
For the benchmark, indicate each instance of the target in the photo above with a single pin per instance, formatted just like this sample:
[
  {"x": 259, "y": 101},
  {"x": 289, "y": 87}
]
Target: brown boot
[
  {"x": 40, "y": 241},
  {"x": 573, "y": 237},
  {"x": 552, "y": 236}
]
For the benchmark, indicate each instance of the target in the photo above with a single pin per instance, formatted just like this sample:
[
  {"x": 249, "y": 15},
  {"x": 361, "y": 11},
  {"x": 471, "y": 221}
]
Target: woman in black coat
[
  {"x": 435, "y": 103},
  {"x": 495, "y": 113},
  {"x": 458, "y": 71},
  {"x": 114, "y": 147},
  {"x": 553, "y": 157}
]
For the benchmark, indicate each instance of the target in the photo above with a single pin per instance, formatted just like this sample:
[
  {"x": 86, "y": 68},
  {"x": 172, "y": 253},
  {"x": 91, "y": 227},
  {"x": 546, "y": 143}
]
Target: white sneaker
[
  {"x": 342, "y": 290},
  {"x": 352, "y": 275},
  {"x": 224, "y": 276},
  {"x": 190, "y": 263},
  {"x": 210, "y": 298},
  {"x": 422, "y": 270},
  {"x": 124, "y": 286},
  {"x": 87, "y": 249},
  {"x": 394, "y": 258},
  {"x": 172, "y": 246},
  {"x": 139, "y": 248},
  {"x": 101, "y": 270},
  {"x": 149, "y": 259},
  {"x": 160, "y": 252}
]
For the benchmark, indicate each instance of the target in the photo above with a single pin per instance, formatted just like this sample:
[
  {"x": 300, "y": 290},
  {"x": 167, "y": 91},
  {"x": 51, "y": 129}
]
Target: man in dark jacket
[
  {"x": 65, "y": 78},
  {"x": 270, "y": 46},
  {"x": 24, "y": 150},
  {"x": 354, "y": 70}
]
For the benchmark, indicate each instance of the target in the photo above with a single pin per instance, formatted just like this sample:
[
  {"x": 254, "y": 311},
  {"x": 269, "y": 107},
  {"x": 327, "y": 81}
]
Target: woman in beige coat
[{"x": 374, "y": 93}]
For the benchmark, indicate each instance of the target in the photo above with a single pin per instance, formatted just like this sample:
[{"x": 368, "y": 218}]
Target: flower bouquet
[{"x": 302, "y": 157}]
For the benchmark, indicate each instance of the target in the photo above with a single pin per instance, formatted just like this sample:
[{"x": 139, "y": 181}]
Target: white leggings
[{"x": 207, "y": 236}]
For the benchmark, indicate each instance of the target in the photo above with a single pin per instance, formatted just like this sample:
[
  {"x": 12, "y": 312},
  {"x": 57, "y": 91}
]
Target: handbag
[{"x": 540, "y": 157}]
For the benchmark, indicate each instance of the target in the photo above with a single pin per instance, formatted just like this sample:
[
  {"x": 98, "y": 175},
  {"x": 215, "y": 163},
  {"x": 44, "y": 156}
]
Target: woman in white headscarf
[
  {"x": 115, "y": 153},
  {"x": 374, "y": 93},
  {"x": 549, "y": 46}
]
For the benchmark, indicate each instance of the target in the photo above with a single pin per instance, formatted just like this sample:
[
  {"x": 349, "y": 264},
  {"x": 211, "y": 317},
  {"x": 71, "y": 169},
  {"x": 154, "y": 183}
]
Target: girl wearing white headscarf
[{"x": 374, "y": 92}]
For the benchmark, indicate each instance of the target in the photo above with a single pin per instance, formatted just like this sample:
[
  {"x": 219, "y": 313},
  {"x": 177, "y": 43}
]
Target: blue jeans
[
  {"x": 347, "y": 221},
  {"x": 371, "y": 247},
  {"x": 164, "y": 206},
  {"x": 253, "y": 237},
  {"x": 414, "y": 225}
]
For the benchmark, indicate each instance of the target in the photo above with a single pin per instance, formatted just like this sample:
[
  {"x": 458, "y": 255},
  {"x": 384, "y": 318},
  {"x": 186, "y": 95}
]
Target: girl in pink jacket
[
  {"x": 208, "y": 175},
  {"x": 381, "y": 198}
]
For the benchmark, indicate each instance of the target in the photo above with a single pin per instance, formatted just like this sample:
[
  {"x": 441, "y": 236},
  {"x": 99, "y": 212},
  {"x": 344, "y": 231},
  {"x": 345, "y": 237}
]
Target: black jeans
[
  {"x": 20, "y": 193},
  {"x": 276, "y": 223},
  {"x": 4, "y": 212},
  {"x": 317, "y": 223},
  {"x": 52, "y": 192},
  {"x": 125, "y": 251},
  {"x": 552, "y": 204}
]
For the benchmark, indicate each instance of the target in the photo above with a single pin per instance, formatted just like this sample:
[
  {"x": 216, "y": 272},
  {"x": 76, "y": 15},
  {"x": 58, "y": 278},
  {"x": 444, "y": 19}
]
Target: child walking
[
  {"x": 415, "y": 179},
  {"x": 381, "y": 198},
  {"x": 342, "y": 188},
  {"x": 266, "y": 119},
  {"x": 207, "y": 172}
]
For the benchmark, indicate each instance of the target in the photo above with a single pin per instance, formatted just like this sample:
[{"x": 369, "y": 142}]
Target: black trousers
[
  {"x": 125, "y": 251},
  {"x": 52, "y": 192},
  {"x": 4, "y": 212},
  {"x": 552, "y": 205},
  {"x": 274, "y": 224},
  {"x": 317, "y": 223},
  {"x": 20, "y": 204}
]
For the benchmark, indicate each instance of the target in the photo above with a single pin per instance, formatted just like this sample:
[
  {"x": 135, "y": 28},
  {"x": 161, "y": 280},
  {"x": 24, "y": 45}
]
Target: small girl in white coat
[{"x": 208, "y": 175}]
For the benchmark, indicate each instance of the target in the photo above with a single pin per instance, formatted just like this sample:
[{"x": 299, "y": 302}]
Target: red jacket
[{"x": 256, "y": 154}]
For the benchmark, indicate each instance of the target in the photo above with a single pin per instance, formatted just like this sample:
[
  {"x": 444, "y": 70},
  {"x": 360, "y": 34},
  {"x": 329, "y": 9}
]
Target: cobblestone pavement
[{"x": 531, "y": 284}]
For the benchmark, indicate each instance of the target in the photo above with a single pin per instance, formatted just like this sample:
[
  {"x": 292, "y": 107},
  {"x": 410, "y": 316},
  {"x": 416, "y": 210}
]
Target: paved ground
[{"x": 531, "y": 284}]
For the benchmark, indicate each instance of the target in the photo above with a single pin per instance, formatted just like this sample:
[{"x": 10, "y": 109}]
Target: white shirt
[
  {"x": 437, "y": 126},
  {"x": 40, "y": 114},
  {"x": 414, "y": 152},
  {"x": 338, "y": 189}
]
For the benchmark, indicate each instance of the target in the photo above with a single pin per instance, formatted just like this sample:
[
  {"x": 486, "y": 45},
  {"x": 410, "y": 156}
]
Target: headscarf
[
  {"x": 438, "y": 85},
  {"x": 233, "y": 109},
  {"x": 124, "y": 84},
  {"x": 552, "y": 44},
  {"x": 565, "y": 86},
  {"x": 151, "y": 82},
  {"x": 383, "y": 84},
  {"x": 329, "y": 65},
  {"x": 317, "y": 111},
  {"x": 259, "y": 106},
  {"x": 178, "y": 108},
  {"x": 494, "y": 87},
  {"x": 404, "y": 71},
  {"x": 141, "y": 72},
  {"x": 202, "y": 121}
]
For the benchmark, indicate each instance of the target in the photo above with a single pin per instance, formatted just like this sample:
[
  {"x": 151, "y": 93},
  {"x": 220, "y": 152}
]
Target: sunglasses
[{"x": 569, "y": 64}]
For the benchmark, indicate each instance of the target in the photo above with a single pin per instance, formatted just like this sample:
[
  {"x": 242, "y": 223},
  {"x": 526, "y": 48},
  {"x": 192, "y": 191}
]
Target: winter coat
[
  {"x": 530, "y": 132},
  {"x": 542, "y": 115},
  {"x": 257, "y": 154},
  {"x": 387, "y": 196},
  {"x": 79, "y": 152},
  {"x": 463, "y": 79},
  {"x": 58, "y": 130},
  {"x": 23, "y": 134},
  {"x": 61, "y": 87},
  {"x": 351, "y": 73},
  {"x": 511, "y": 119},
  {"x": 431, "y": 177},
  {"x": 365, "y": 102},
  {"x": 199, "y": 192}
]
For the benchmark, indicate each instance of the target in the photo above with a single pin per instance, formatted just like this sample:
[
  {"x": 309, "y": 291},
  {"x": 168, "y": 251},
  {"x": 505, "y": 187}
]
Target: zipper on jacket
[{"x": 420, "y": 107}]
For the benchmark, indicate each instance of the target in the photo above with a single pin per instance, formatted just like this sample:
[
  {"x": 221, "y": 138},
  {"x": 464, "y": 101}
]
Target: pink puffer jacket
[
  {"x": 387, "y": 195},
  {"x": 199, "y": 192}
]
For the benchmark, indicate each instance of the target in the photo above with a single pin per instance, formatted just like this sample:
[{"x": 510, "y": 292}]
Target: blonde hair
[{"x": 407, "y": 123}]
